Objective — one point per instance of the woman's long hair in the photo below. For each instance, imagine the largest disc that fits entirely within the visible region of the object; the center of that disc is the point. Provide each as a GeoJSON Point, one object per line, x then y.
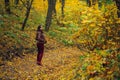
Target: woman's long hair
{"type": "Point", "coordinates": [38, 29]}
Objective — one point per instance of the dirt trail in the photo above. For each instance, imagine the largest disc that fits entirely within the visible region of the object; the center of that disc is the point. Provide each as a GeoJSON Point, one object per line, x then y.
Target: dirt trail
{"type": "Point", "coordinates": [59, 63]}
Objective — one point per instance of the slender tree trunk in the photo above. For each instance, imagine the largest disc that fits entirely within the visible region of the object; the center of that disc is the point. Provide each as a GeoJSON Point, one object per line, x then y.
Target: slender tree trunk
{"type": "Point", "coordinates": [51, 10]}
{"type": "Point", "coordinates": [54, 9]}
{"type": "Point", "coordinates": [62, 8]}
{"type": "Point", "coordinates": [118, 6]}
{"type": "Point", "coordinates": [62, 13]}
{"type": "Point", "coordinates": [7, 6]}
{"type": "Point", "coordinates": [25, 20]}
{"type": "Point", "coordinates": [27, 14]}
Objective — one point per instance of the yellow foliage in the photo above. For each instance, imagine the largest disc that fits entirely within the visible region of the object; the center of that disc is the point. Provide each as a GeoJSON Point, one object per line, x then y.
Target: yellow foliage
{"type": "Point", "coordinates": [91, 79]}
{"type": "Point", "coordinates": [109, 72]}
{"type": "Point", "coordinates": [40, 5]}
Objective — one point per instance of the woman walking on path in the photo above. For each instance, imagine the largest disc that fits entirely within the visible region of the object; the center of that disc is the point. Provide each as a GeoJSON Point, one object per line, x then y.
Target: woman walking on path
{"type": "Point", "coordinates": [40, 44]}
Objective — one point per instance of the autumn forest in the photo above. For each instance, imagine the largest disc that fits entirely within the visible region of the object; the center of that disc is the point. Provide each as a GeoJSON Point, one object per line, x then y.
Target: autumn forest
{"type": "Point", "coordinates": [83, 39]}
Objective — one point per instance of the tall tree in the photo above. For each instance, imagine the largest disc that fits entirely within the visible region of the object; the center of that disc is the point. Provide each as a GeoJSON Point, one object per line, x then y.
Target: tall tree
{"type": "Point", "coordinates": [62, 8]}
{"type": "Point", "coordinates": [50, 12]}
{"type": "Point", "coordinates": [54, 9]}
{"type": "Point", "coordinates": [118, 6]}
{"type": "Point", "coordinates": [7, 6]}
{"type": "Point", "coordinates": [28, 8]}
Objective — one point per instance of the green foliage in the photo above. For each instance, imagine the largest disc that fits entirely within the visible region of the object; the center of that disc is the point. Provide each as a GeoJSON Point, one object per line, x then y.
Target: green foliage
{"type": "Point", "coordinates": [62, 29]}
{"type": "Point", "coordinates": [82, 57]}
{"type": "Point", "coordinates": [1, 24]}
{"type": "Point", "coordinates": [62, 35]}
{"type": "Point", "coordinates": [84, 67]}
{"type": "Point", "coordinates": [105, 1]}
{"type": "Point", "coordinates": [16, 26]}
{"type": "Point", "coordinates": [25, 35]}
{"type": "Point", "coordinates": [118, 57]}
{"type": "Point", "coordinates": [67, 42]}
{"type": "Point", "coordinates": [52, 34]}
{"type": "Point", "coordinates": [10, 34]}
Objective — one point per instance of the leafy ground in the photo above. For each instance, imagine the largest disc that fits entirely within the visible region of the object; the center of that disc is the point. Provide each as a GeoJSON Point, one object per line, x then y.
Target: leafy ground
{"type": "Point", "coordinates": [59, 63]}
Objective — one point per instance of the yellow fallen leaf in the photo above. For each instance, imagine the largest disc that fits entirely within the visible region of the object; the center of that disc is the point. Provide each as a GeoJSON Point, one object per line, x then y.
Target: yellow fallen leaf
{"type": "Point", "coordinates": [91, 79]}
{"type": "Point", "coordinates": [109, 72]}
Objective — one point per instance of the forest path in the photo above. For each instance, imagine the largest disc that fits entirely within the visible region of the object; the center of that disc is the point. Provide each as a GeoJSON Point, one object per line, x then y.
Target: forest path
{"type": "Point", "coordinates": [59, 63]}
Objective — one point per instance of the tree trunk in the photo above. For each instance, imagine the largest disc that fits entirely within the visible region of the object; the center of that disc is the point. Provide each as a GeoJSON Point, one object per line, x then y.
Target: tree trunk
{"type": "Point", "coordinates": [51, 10]}
{"type": "Point", "coordinates": [7, 6]}
{"type": "Point", "coordinates": [62, 8]}
{"type": "Point", "coordinates": [118, 6]}
{"type": "Point", "coordinates": [54, 9]}
{"type": "Point", "coordinates": [27, 14]}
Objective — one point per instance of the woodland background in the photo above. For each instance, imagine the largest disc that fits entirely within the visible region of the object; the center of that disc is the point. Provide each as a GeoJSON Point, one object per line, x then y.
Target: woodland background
{"type": "Point", "coordinates": [83, 35]}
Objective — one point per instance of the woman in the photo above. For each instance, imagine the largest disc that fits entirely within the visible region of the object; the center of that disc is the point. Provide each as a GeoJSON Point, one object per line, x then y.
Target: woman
{"type": "Point", "coordinates": [40, 44]}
